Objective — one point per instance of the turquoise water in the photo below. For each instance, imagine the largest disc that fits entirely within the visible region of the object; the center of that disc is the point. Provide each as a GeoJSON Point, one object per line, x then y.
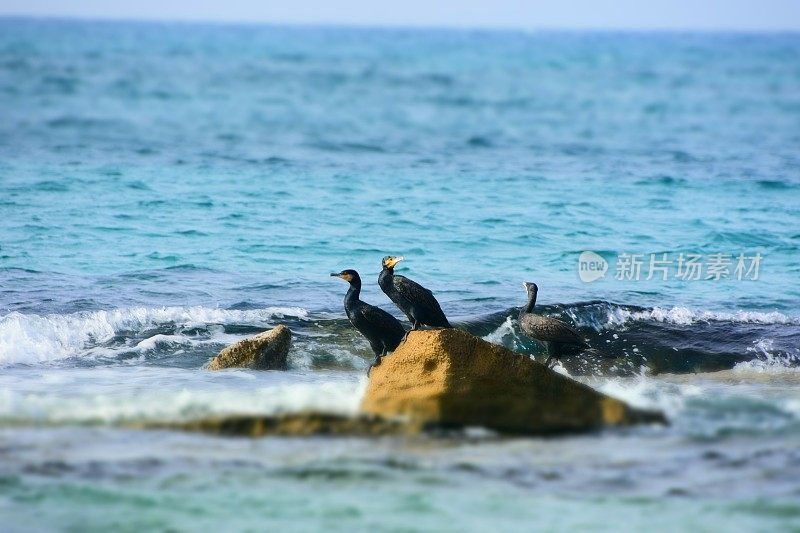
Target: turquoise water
{"type": "Point", "coordinates": [166, 189]}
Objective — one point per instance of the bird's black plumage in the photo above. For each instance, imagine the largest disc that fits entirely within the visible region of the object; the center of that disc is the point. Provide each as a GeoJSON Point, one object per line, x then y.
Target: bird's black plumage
{"type": "Point", "coordinates": [559, 338]}
{"type": "Point", "coordinates": [417, 302]}
{"type": "Point", "coordinates": [383, 331]}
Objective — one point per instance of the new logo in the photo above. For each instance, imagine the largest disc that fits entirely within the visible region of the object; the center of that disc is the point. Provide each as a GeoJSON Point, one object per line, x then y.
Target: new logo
{"type": "Point", "coordinates": [591, 267]}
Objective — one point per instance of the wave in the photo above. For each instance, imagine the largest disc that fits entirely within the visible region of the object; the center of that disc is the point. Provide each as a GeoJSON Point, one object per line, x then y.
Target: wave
{"type": "Point", "coordinates": [630, 339]}
{"type": "Point", "coordinates": [627, 340]}
{"type": "Point", "coordinates": [31, 338]}
{"type": "Point", "coordinates": [769, 358]}
{"type": "Point", "coordinates": [605, 315]}
{"type": "Point", "coordinates": [123, 395]}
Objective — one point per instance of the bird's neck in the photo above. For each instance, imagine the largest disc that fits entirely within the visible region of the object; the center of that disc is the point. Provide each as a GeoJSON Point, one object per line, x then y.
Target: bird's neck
{"type": "Point", "coordinates": [352, 296]}
{"type": "Point", "coordinates": [385, 273]}
{"type": "Point", "coordinates": [531, 303]}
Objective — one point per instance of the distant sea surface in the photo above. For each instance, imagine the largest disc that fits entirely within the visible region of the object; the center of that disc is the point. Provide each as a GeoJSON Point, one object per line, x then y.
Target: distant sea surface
{"type": "Point", "coordinates": [166, 189]}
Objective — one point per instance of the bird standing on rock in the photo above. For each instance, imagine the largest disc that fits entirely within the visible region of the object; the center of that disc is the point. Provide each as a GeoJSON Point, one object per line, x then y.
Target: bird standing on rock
{"type": "Point", "coordinates": [559, 338]}
{"type": "Point", "coordinates": [383, 331]}
{"type": "Point", "coordinates": [417, 302]}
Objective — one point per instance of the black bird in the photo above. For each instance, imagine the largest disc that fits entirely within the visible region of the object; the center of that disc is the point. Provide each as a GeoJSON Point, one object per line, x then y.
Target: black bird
{"type": "Point", "coordinates": [559, 338]}
{"type": "Point", "coordinates": [417, 302]}
{"type": "Point", "coordinates": [383, 331]}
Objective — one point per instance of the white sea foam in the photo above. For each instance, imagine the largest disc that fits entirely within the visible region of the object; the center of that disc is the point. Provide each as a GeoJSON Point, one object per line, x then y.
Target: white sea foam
{"type": "Point", "coordinates": [646, 392]}
{"type": "Point", "coordinates": [616, 316]}
{"type": "Point", "coordinates": [39, 338]}
{"type": "Point", "coordinates": [304, 359]}
{"type": "Point", "coordinates": [767, 359]}
{"type": "Point", "coordinates": [504, 331]}
{"type": "Point", "coordinates": [126, 394]}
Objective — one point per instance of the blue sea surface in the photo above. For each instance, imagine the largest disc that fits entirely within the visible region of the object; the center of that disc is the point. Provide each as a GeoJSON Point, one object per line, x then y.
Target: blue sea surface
{"type": "Point", "coordinates": [166, 189]}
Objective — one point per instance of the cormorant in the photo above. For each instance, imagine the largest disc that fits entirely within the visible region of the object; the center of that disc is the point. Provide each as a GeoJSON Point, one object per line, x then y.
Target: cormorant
{"type": "Point", "coordinates": [417, 302]}
{"type": "Point", "coordinates": [559, 338]}
{"type": "Point", "coordinates": [383, 331]}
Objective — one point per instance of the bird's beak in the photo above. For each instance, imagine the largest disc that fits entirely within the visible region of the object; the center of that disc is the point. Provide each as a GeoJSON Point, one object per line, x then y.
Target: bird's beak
{"type": "Point", "coordinates": [336, 275]}
{"type": "Point", "coordinates": [393, 261]}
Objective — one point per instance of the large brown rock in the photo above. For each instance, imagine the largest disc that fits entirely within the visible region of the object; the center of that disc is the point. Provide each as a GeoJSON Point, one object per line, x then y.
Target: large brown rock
{"type": "Point", "coordinates": [265, 351]}
{"type": "Point", "coordinates": [451, 378]}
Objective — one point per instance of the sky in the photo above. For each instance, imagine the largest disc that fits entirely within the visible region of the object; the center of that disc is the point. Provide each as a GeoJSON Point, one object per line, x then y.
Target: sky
{"type": "Point", "coordinates": [532, 14]}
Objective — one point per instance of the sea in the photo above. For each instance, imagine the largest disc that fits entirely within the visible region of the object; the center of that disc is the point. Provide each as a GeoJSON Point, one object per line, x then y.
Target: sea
{"type": "Point", "coordinates": [167, 189]}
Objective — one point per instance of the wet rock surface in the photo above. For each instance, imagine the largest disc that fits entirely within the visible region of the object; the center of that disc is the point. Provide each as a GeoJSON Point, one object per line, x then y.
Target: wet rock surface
{"type": "Point", "coordinates": [265, 351]}
{"type": "Point", "coordinates": [451, 378]}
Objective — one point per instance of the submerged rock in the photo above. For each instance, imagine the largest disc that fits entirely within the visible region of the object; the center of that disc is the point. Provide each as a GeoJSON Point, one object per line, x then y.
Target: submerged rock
{"type": "Point", "coordinates": [450, 378]}
{"type": "Point", "coordinates": [265, 351]}
{"type": "Point", "coordinates": [293, 425]}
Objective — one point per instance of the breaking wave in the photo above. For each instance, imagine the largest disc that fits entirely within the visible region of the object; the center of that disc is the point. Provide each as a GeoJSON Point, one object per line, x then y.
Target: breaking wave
{"type": "Point", "coordinates": [30, 338]}
{"type": "Point", "coordinates": [605, 315]}
{"type": "Point", "coordinates": [657, 340]}
{"type": "Point", "coordinates": [627, 339]}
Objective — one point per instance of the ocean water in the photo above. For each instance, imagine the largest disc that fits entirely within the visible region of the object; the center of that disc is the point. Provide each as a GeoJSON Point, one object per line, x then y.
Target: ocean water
{"type": "Point", "coordinates": [166, 189]}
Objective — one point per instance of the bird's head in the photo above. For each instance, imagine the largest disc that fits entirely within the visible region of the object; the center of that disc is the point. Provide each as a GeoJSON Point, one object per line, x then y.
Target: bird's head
{"type": "Point", "coordinates": [390, 261]}
{"type": "Point", "coordinates": [349, 275]}
{"type": "Point", "coordinates": [530, 288]}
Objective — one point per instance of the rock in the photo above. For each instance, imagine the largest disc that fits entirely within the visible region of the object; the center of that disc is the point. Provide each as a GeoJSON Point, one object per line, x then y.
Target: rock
{"type": "Point", "coordinates": [450, 378]}
{"type": "Point", "coordinates": [292, 425]}
{"type": "Point", "coordinates": [265, 351]}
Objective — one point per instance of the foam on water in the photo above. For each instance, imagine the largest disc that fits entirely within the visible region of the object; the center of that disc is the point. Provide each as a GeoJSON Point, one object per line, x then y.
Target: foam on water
{"type": "Point", "coordinates": [127, 394]}
{"type": "Point", "coordinates": [647, 392]}
{"type": "Point", "coordinates": [685, 316]}
{"type": "Point", "coordinates": [34, 338]}
{"type": "Point", "coordinates": [504, 334]}
{"type": "Point", "coordinates": [614, 315]}
{"type": "Point", "coordinates": [767, 359]}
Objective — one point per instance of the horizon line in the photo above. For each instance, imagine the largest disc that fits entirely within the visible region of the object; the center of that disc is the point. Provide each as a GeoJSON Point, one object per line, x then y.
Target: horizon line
{"type": "Point", "coordinates": [398, 26]}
